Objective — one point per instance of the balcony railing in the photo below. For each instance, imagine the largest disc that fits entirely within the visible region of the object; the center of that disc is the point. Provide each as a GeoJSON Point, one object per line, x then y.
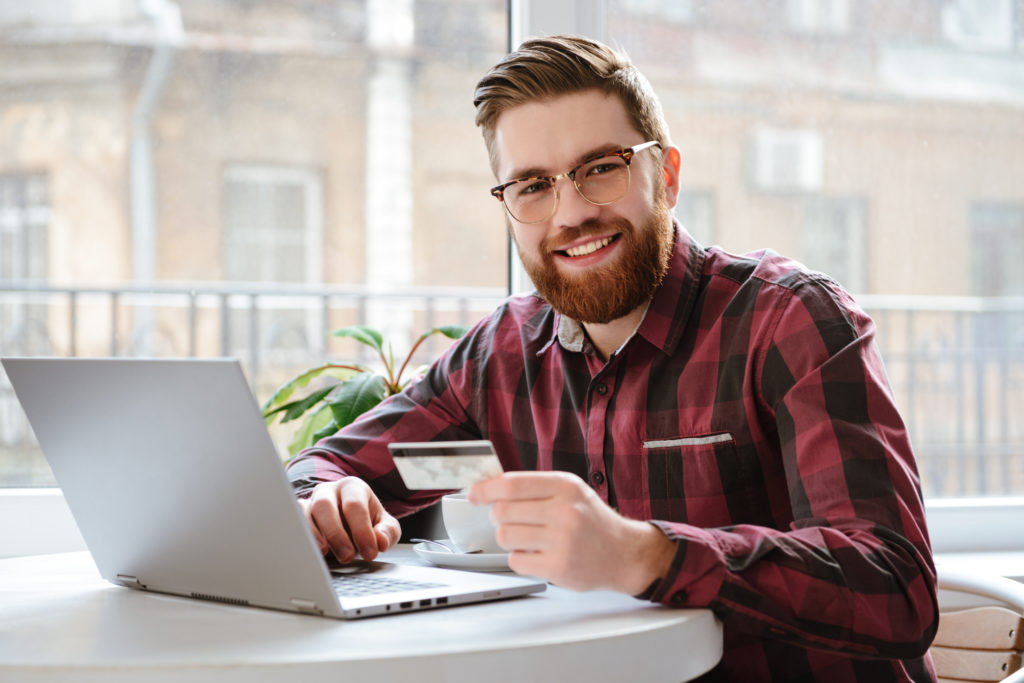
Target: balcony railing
{"type": "Point", "coordinates": [956, 365]}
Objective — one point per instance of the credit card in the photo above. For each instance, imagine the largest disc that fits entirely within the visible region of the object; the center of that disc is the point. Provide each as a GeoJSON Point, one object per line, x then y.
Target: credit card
{"type": "Point", "coordinates": [444, 464]}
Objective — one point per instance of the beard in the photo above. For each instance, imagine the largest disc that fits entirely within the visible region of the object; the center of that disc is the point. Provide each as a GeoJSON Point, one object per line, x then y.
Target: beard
{"type": "Point", "coordinates": [610, 291]}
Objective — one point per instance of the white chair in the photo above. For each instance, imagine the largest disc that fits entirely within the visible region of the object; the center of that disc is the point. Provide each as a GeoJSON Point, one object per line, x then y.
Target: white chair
{"type": "Point", "coordinates": [983, 643]}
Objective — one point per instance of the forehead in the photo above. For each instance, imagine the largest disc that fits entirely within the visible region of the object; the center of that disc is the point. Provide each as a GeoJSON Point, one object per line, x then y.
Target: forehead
{"type": "Point", "coordinates": [551, 135]}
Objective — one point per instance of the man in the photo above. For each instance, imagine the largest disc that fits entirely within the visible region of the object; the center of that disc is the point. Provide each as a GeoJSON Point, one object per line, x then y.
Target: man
{"type": "Point", "coordinates": [677, 423]}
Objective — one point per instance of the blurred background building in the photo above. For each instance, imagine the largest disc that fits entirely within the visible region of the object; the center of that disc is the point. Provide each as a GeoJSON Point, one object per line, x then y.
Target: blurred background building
{"type": "Point", "coordinates": [242, 177]}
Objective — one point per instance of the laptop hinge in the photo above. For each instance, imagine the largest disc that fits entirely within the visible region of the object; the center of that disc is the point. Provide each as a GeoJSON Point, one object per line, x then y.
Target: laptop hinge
{"type": "Point", "coordinates": [305, 606]}
{"type": "Point", "coordinates": [130, 581]}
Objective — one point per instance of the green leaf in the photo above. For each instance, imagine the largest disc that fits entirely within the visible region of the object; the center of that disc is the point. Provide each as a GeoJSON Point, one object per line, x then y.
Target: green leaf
{"type": "Point", "coordinates": [329, 430]}
{"type": "Point", "coordinates": [288, 388]}
{"type": "Point", "coordinates": [306, 435]}
{"type": "Point", "coordinates": [295, 409]}
{"type": "Point", "coordinates": [364, 334]}
{"type": "Point", "coordinates": [451, 331]}
{"type": "Point", "coordinates": [356, 396]}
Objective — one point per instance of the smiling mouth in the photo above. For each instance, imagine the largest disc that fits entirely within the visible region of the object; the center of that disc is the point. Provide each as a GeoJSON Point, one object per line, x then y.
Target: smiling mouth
{"type": "Point", "coordinates": [588, 248]}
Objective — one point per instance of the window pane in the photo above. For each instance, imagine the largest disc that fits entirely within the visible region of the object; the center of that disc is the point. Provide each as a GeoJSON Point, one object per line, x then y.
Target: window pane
{"type": "Point", "coordinates": [242, 183]}
{"type": "Point", "coordinates": [881, 143]}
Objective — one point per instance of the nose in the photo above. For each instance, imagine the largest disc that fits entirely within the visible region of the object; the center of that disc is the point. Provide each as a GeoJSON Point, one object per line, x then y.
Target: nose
{"type": "Point", "coordinates": [572, 209]}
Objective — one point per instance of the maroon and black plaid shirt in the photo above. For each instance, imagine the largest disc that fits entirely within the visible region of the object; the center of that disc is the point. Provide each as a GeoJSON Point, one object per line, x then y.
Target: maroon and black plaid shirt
{"type": "Point", "coordinates": [749, 417]}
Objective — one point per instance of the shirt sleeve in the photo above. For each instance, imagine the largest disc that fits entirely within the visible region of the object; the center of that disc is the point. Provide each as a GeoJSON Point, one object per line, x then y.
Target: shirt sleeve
{"type": "Point", "coordinates": [853, 572]}
{"type": "Point", "coordinates": [431, 409]}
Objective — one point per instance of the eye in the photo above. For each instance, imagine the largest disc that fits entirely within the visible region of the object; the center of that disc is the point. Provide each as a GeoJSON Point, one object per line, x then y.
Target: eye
{"type": "Point", "coordinates": [534, 186]}
{"type": "Point", "coordinates": [602, 166]}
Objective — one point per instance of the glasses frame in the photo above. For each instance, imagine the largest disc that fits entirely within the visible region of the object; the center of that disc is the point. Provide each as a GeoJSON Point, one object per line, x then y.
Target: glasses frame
{"type": "Point", "coordinates": [626, 153]}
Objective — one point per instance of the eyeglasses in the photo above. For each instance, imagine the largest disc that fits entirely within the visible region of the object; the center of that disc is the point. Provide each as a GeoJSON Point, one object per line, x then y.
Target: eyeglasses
{"type": "Point", "coordinates": [602, 179]}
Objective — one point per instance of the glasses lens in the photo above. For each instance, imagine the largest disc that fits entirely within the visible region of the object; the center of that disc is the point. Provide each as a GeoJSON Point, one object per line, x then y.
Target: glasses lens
{"type": "Point", "coordinates": [531, 200]}
{"type": "Point", "coordinates": [603, 180]}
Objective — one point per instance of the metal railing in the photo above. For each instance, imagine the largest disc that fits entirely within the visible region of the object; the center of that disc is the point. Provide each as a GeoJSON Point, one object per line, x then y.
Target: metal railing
{"type": "Point", "coordinates": [956, 365]}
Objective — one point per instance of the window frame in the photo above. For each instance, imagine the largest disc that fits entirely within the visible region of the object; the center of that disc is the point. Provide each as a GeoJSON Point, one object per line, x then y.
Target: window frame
{"type": "Point", "coordinates": [954, 523]}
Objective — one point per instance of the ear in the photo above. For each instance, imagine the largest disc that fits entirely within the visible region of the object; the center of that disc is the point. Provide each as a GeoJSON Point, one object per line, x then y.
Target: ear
{"type": "Point", "coordinates": [670, 164]}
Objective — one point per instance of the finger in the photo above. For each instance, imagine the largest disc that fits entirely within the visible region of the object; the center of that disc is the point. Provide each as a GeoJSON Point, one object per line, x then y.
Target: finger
{"type": "Point", "coordinates": [388, 531]}
{"type": "Point", "coordinates": [529, 564]}
{"type": "Point", "coordinates": [317, 536]}
{"type": "Point", "coordinates": [524, 538]}
{"type": "Point", "coordinates": [530, 511]}
{"type": "Point", "coordinates": [327, 518]}
{"type": "Point", "coordinates": [356, 511]}
{"type": "Point", "coordinates": [521, 485]}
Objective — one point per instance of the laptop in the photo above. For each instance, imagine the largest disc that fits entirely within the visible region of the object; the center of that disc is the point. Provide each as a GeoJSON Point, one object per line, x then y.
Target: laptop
{"type": "Point", "coordinates": [177, 488]}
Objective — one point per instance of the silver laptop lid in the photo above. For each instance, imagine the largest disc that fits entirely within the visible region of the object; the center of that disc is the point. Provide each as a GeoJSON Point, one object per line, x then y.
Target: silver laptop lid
{"type": "Point", "coordinates": [172, 478]}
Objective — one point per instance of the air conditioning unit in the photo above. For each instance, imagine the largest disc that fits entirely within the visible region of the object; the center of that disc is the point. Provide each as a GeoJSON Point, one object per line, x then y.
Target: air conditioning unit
{"type": "Point", "coordinates": [787, 160]}
{"type": "Point", "coordinates": [818, 16]}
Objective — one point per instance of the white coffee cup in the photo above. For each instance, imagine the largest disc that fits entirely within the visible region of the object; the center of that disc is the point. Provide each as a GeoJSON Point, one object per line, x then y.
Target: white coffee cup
{"type": "Point", "coordinates": [469, 526]}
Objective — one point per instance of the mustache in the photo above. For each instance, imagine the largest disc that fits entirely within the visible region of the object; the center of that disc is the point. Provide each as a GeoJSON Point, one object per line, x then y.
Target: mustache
{"type": "Point", "coordinates": [587, 228]}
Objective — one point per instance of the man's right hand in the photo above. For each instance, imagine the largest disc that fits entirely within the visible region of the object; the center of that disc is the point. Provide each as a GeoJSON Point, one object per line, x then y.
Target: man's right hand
{"type": "Point", "coordinates": [346, 517]}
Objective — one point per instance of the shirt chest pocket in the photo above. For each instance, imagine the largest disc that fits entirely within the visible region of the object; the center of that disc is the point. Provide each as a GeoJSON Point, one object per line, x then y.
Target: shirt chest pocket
{"type": "Point", "coordinates": [700, 480]}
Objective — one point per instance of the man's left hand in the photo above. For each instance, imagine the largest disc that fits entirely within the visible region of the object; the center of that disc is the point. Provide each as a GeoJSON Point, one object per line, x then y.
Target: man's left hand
{"type": "Point", "coordinates": [556, 527]}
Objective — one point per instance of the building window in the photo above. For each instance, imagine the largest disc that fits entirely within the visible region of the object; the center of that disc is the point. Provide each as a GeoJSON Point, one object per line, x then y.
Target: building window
{"type": "Point", "coordinates": [273, 224]}
{"type": "Point", "coordinates": [24, 257]}
{"type": "Point", "coordinates": [787, 160]}
{"type": "Point", "coordinates": [273, 232]}
{"type": "Point", "coordinates": [24, 215]}
{"type": "Point", "coordinates": [979, 24]}
{"type": "Point", "coordinates": [833, 239]}
{"type": "Point", "coordinates": [818, 16]}
{"type": "Point", "coordinates": [675, 11]}
{"type": "Point", "coordinates": [997, 249]}
{"type": "Point", "coordinates": [695, 209]}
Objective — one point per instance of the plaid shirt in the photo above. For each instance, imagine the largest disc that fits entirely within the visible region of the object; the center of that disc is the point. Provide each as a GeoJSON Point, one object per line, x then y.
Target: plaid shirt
{"type": "Point", "coordinates": [749, 417]}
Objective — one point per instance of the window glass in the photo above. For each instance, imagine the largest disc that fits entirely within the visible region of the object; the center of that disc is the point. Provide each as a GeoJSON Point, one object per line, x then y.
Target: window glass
{"type": "Point", "coordinates": [241, 178]}
{"type": "Point", "coordinates": [881, 143]}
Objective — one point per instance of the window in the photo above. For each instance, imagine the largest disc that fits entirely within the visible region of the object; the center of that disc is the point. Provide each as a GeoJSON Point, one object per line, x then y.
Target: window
{"type": "Point", "coordinates": [695, 209]}
{"type": "Point", "coordinates": [273, 225]}
{"type": "Point", "coordinates": [913, 117]}
{"type": "Point", "coordinates": [676, 11]}
{"type": "Point", "coordinates": [24, 258]}
{"type": "Point", "coordinates": [997, 249]}
{"type": "Point", "coordinates": [24, 216]}
{"type": "Point", "coordinates": [980, 24]}
{"type": "Point", "coordinates": [786, 160]}
{"type": "Point", "coordinates": [273, 232]}
{"type": "Point", "coordinates": [833, 240]}
{"type": "Point", "coordinates": [818, 16]}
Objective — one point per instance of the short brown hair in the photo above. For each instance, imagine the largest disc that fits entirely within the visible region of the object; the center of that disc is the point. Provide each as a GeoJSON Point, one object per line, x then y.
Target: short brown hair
{"type": "Point", "coordinates": [544, 68]}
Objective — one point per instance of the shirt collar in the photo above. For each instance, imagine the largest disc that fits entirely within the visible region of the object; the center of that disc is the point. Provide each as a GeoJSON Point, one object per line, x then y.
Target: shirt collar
{"type": "Point", "coordinates": [669, 309]}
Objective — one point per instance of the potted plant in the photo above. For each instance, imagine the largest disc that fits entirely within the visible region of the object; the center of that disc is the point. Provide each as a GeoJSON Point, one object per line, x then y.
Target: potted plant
{"type": "Point", "coordinates": [351, 389]}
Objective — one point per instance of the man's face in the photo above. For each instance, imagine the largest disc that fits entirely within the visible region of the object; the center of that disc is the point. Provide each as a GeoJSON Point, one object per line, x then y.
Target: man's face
{"type": "Point", "coordinates": [621, 249]}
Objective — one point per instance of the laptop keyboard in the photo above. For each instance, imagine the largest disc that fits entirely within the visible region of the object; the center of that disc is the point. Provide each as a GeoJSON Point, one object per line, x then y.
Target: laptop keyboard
{"type": "Point", "coordinates": [355, 585]}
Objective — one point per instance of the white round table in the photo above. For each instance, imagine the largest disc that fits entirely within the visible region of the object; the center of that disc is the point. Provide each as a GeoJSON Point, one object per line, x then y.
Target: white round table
{"type": "Point", "coordinates": [59, 621]}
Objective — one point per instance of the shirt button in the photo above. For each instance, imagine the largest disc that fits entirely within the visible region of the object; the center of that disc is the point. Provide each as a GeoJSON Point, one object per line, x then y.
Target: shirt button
{"type": "Point", "coordinates": [601, 389]}
{"type": "Point", "coordinates": [679, 597]}
{"type": "Point", "coordinates": [597, 478]}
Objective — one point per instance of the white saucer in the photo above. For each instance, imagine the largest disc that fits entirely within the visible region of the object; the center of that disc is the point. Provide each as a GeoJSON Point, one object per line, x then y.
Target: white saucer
{"type": "Point", "coordinates": [486, 562]}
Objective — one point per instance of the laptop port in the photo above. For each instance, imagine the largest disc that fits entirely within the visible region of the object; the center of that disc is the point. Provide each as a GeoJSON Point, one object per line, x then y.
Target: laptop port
{"type": "Point", "coordinates": [442, 601]}
{"type": "Point", "coordinates": [405, 605]}
{"type": "Point", "coordinates": [425, 603]}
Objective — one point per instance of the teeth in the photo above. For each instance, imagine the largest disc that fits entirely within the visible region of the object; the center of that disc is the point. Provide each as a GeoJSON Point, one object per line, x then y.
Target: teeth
{"type": "Point", "coordinates": [589, 248]}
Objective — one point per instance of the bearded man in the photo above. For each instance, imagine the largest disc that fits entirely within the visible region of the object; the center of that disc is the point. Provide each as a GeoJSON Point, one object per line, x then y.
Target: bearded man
{"type": "Point", "coordinates": [677, 423]}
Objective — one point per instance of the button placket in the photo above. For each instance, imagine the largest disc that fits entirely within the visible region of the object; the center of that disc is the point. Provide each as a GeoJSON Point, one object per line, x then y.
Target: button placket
{"type": "Point", "coordinates": [597, 419]}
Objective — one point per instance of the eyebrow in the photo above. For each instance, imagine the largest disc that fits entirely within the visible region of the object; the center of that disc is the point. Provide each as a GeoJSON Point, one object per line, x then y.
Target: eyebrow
{"type": "Point", "coordinates": [536, 171]}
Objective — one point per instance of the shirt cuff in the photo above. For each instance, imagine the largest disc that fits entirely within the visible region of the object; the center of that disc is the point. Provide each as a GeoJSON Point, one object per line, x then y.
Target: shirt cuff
{"type": "Point", "coordinates": [694, 577]}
